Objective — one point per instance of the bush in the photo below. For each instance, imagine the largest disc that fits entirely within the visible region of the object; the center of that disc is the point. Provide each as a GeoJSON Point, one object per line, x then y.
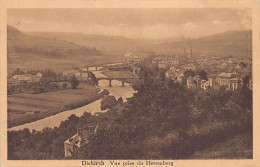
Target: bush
{"type": "Point", "coordinates": [120, 100]}
{"type": "Point", "coordinates": [74, 82]}
{"type": "Point", "coordinates": [108, 102]}
{"type": "Point", "coordinates": [105, 92]}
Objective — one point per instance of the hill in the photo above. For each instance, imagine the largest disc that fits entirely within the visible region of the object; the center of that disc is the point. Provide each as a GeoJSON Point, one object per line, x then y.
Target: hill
{"type": "Point", "coordinates": [235, 43]}
{"type": "Point", "coordinates": [59, 50]}
{"type": "Point", "coordinates": [33, 52]}
{"type": "Point", "coordinates": [105, 43]}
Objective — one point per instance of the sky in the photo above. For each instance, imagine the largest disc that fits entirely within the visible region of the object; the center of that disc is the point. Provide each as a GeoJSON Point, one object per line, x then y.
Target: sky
{"type": "Point", "coordinates": [132, 23]}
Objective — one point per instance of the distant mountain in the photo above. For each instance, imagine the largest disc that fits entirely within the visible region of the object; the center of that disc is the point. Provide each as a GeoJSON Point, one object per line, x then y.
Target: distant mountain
{"type": "Point", "coordinates": [106, 43]}
{"type": "Point", "coordinates": [63, 50]}
{"type": "Point", "coordinates": [235, 43]}
{"type": "Point", "coordinates": [30, 52]}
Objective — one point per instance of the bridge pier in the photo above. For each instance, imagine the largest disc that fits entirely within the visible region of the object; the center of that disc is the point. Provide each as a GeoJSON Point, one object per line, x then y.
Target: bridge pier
{"type": "Point", "coordinates": [96, 68]}
{"type": "Point", "coordinates": [123, 80]}
{"type": "Point", "coordinates": [110, 83]}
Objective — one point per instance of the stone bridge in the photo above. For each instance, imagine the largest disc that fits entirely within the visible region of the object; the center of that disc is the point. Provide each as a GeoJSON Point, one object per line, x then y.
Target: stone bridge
{"type": "Point", "coordinates": [123, 80]}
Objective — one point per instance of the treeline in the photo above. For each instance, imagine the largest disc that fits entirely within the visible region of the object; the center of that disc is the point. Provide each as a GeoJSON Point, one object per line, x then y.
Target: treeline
{"type": "Point", "coordinates": [56, 52]}
{"type": "Point", "coordinates": [36, 87]}
{"type": "Point", "coordinates": [47, 74]}
{"type": "Point", "coordinates": [50, 81]}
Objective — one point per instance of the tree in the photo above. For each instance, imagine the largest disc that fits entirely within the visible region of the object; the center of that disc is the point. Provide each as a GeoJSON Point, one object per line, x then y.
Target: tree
{"type": "Point", "coordinates": [108, 102]}
{"type": "Point", "coordinates": [74, 82]}
{"type": "Point", "coordinates": [18, 71]}
{"type": "Point", "coordinates": [203, 75]}
{"type": "Point", "coordinates": [92, 77]}
{"type": "Point", "coordinates": [120, 100]}
{"type": "Point", "coordinates": [188, 73]}
{"type": "Point", "coordinates": [64, 85]}
{"type": "Point", "coordinates": [58, 147]}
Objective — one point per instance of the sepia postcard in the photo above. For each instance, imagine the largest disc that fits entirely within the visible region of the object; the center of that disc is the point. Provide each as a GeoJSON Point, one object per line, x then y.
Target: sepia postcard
{"type": "Point", "coordinates": [130, 83]}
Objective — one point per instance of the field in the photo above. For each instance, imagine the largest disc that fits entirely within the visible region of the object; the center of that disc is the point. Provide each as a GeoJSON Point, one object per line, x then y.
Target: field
{"type": "Point", "coordinates": [119, 74]}
{"type": "Point", "coordinates": [36, 62]}
{"type": "Point", "coordinates": [24, 108]}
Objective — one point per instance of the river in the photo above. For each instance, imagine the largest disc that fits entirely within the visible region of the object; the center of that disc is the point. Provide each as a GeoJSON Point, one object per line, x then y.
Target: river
{"type": "Point", "coordinates": [54, 121]}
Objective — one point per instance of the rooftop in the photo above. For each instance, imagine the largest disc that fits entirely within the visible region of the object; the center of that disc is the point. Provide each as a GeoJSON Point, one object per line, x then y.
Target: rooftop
{"type": "Point", "coordinates": [224, 74]}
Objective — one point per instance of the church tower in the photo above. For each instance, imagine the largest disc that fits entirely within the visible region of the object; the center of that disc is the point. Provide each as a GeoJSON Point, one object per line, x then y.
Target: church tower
{"type": "Point", "coordinates": [190, 55]}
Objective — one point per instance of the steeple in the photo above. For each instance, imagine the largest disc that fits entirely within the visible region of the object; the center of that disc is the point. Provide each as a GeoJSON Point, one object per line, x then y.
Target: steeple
{"type": "Point", "coordinates": [190, 55]}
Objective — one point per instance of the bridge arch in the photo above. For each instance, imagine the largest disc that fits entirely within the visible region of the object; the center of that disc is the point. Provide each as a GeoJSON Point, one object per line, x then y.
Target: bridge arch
{"type": "Point", "coordinates": [123, 80]}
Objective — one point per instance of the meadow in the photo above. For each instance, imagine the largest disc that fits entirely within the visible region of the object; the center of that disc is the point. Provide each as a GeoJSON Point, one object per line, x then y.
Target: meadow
{"type": "Point", "coordinates": [25, 107]}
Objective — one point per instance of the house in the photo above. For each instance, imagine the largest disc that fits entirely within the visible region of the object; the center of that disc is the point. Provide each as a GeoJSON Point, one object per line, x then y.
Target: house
{"type": "Point", "coordinates": [189, 67]}
{"type": "Point", "coordinates": [206, 84]}
{"type": "Point", "coordinates": [24, 77]}
{"type": "Point", "coordinates": [136, 70]}
{"type": "Point", "coordinates": [81, 75]}
{"type": "Point", "coordinates": [28, 78]}
{"type": "Point", "coordinates": [71, 73]}
{"type": "Point", "coordinates": [200, 60]}
{"type": "Point", "coordinates": [80, 139]}
{"type": "Point", "coordinates": [231, 81]}
{"type": "Point", "coordinates": [39, 75]}
{"type": "Point", "coordinates": [233, 60]}
{"type": "Point", "coordinates": [197, 79]}
{"type": "Point", "coordinates": [236, 83]}
{"type": "Point", "coordinates": [164, 61]}
{"type": "Point", "coordinates": [171, 74]}
{"type": "Point", "coordinates": [190, 82]}
{"type": "Point", "coordinates": [222, 65]}
{"type": "Point", "coordinates": [238, 67]}
{"type": "Point", "coordinates": [179, 77]}
{"type": "Point", "coordinates": [223, 79]}
{"type": "Point", "coordinates": [215, 58]}
{"type": "Point", "coordinates": [162, 64]}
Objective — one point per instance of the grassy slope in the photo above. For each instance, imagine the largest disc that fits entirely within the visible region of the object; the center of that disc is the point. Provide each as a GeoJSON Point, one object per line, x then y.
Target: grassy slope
{"type": "Point", "coordinates": [236, 43]}
{"type": "Point", "coordinates": [237, 147]}
{"type": "Point", "coordinates": [21, 107]}
{"type": "Point", "coordinates": [105, 43]}
{"type": "Point", "coordinates": [31, 52]}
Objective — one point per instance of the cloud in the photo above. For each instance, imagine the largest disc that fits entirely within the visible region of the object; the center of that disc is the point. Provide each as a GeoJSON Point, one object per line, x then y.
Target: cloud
{"type": "Point", "coordinates": [133, 23]}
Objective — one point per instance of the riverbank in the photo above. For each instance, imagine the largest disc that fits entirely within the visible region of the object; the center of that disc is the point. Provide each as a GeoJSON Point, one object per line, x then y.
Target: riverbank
{"type": "Point", "coordinates": [26, 108]}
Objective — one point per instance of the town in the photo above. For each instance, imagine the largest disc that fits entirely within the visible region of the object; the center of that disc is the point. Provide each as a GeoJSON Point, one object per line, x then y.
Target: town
{"type": "Point", "coordinates": [195, 72]}
{"type": "Point", "coordinates": [205, 72]}
{"type": "Point", "coordinates": [200, 73]}
{"type": "Point", "coordinates": [150, 84]}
